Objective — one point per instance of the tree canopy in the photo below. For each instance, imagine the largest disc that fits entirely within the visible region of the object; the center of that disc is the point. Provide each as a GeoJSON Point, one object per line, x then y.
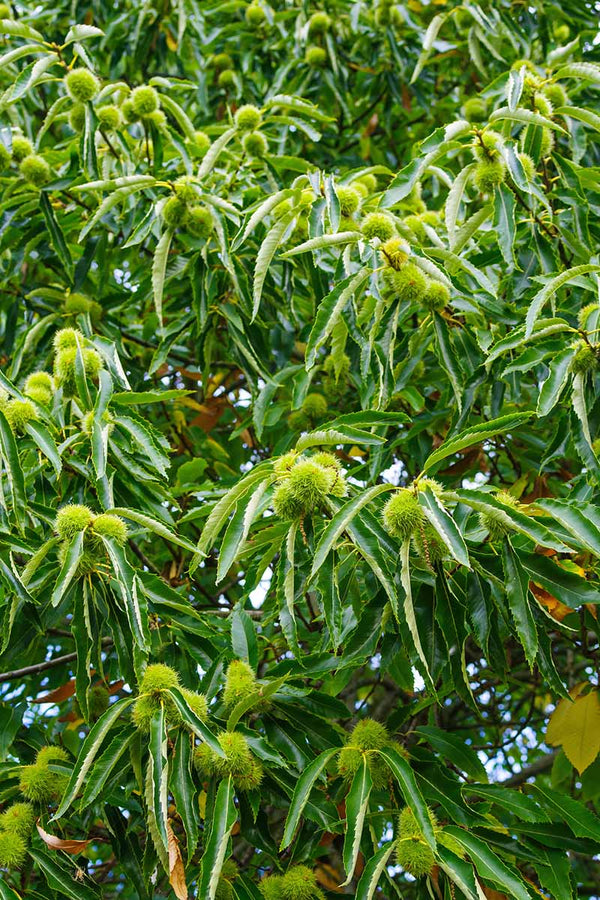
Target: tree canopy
{"type": "Point", "coordinates": [299, 450]}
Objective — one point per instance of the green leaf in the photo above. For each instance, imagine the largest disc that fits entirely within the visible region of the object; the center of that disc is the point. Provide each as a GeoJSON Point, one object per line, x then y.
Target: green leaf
{"type": "Point", "coordinates": [62, 879]}
{"type": "Point", "coordinates": [243, 636]}
{"type": "Point", "coordinates": [302, 791]}
{"type": "Point", "coordinates": [184, 791]}
{"type": "Point", "coordinates": [220, 826]}
{"type": "Point", "coordinates": [56, 236]}
{"type": "Point", "coordinates": [489, 866]}
{"type": "Point", "coordinates": [504, 222]}
{"type": "Point", "coordinates": [574, 591]}
{"type": "Point", "coordinates": [357, 803]}
{"type": "Point", "coordinates": [514, 519]}
{"type": "Point", "coordinates": [193, 722]}
{"type": "Point", "coordinates": [340, 522]}
{"type": "Point", "coordinates": [413, 797]}
{"type": "Point", "coordinates": [548, 291]}
{"type": "Point", "coordinates": [329, 311]}
{"type": "Point", "coordinates": [105, 765]}
{"type": "Point", "coordinates": [453, 748]}
{"type": "Point", "coordinates": [476, 434]}
{"type": "Point", "coordinates": [558, 375]}
{"type": "Point", "coordinates": [43, 439]}
{"type": "Point", "coordinates": [367, 886]}
{"type": "Point", "coordinates": [525, 116]}
{"type": "Point", "coordinates": [159, 271]}
{"type": "Point", "coordinates": [324, 241]}
{"type": "Point", "coordinates": [152, 525]}
{"type": "Point", "coordinates": [89, 751]}
{"type": "Point", "coordinates": [157, 797]}
{"type": "Point", "coordinates": [10, 455]}
{"type": "Point", "coordinates": [581, 520]}
{"type": "Point", "coordinates": [238, 528]}
{"type": "Point", "coordinates": [266, 252]}
{"type": "Point", "coordinates": [69, 569]}
{"type": "Point", "coordinates": [444, 525]}
{"type": "Point", "coordinates": [517, 593]}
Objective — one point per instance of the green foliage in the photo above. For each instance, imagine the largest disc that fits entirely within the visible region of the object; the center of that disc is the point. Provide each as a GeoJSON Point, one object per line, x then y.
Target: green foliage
{"type": "Point", "coordinates": [299, 436]}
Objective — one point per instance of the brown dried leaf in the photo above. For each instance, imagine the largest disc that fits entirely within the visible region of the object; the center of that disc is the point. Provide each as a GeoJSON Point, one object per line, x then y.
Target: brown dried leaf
{"type": "Point", "coordinates": [56, 843]}
{"type": "Point", "coordinates": [176, 867]}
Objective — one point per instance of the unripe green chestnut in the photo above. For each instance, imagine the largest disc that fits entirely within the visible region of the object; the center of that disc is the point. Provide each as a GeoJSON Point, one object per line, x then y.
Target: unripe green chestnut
{"type": "Point", "coordinates": [40, 785]}
{"type": "Point", "coordinates": [157, 678]}
{"type": "Point", "coordinates": [175, 213]}
{"type": "Point", "coordinates": [5, 158]}
{"type": "Point", "coordinates": [67, 338]}
{"type": "Point", "coordinates": [349, 199]}
{"type": "Point", "coordinates": [109, 117]}
{"type": "Point", "coordinates": [222, 61]}
{"type": "Point", "coordinates": [50, 754]}
{"type": "Point", "coordinates": [75, 304]}
{"type": "Point", "coordinates": [98, 699]}
{"type": "Point", "coordinates": [303, 491]}
{"type": "Point", "coordinates": [585, 313]}
{"type": "Point", "coordinates": [35, 170]}
{"type": "Point", "coordinates": [547, 142]}
{"type": "Point", "coordinates": [300, 883]}
{"type": "Point", "coordinates": [378, 225]}
{"type": "Point", "coordinates": [21, 147]}
{"type": "Point", "coordinates": [284, 464]}
{"type": "Point", "coordinates": [201, 144]}
{"type": "Point", "coordinates": [542, 104]}
{"type": "Point", "coordinates": [82, 85]}
{"type": "Point", "coordinates": [255, 15]}
{"type": "Point", "coordinates": [18, 819]}
{"type": "Point", "coordinates": [413, 853]}
{"type": "Point", "coordinates": [20, 413]}
{"type": "Point", "coordinates": [487, 145]}
{"type": "Point", "coordinates": [129, 113]}
{"type": "Point", "coordinates": [489, 174]}
{"type": "Point", "coordinates": [395, 252]}
{"type": "Point", "coordinates": [366, 737]}
{"type": "Point", "coordinates": [528, 165]}
{"type": "Point", "coordinates": [229, 872]}
{"type": "Point", "coordinates": [71, 519]}
{"type": "Point", "coordinates": [39, 386]}
{"type": "Point", "coordinates": [584, 361]}
{"type": "Point", "coordinates": [415, 223]}
{"type": "Point", "coordinates": [255, 144]}
{"type": "Point", "coordinates": [368, 180]}
{"type": "Point", "coordinates": [556, 94]}
{"type": "Point", "coordinates": [240, 683]}
{"type": "Point", "coordinates": [429, 545]}
{"type": "Point", "coordinates": [475, 109]}
{"type": "Point", "coordinates": [314, 406]}
{"type": "Point", "coordinates": [226, 79]}
{"type": "Point", "coordinates": [335, 381]}
{"type": "Point", "coordinates": [65, 363]}
{"type": "Point", "coordinates": [111, 527]}
{"type": "Point", "coordinates": [157, 119]}
{"type": "Point", "coordinates": [402, 514]}
{"type": "Point", "coordinates": [77, 117]}
{"type": "Point", "coordinates": [493, 520]}
{"type": "Point", "coordinates": [247, 118]}
{"type": "Point", "coordinates": [200, 222]}
{"type": "Point", "coordinates": [409, 284]}
{"type": "Point", "coordinates": [5, 11]}
{"type": "Point", "coordinates": [315, 57]}
{"type": "Point", "coordinates": [238, 762]}
{"type": "Point", "coordinates": [319, 23]}
{"type": "Point", "coordinates": [185, 190]}
{"type": "Point", "coordinates": [437, 296]}
{"type": "Point", "coordinates": [144, 100]}
{"type": "Point", "coordinates": [298, 421]}
{"type": "Point", "coordinates": [13, 850]}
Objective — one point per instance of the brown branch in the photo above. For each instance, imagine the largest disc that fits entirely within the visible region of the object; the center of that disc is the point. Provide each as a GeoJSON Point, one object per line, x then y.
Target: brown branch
{"type": "Point", "coordinates": [540, 765]}
{"type": "Point", "coordinates": [41, 667]}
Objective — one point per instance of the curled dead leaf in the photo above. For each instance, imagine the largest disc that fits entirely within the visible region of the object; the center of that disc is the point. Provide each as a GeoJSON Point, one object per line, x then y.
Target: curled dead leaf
{"type": "Point", "coordinates": [56, 843]}
{"type": "Point", "coordinates": [176, 867]}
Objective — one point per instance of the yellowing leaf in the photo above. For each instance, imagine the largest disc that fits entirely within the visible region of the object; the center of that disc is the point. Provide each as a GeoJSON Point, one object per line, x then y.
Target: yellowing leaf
{"type": "Point", "coordinates": [576, 727]}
